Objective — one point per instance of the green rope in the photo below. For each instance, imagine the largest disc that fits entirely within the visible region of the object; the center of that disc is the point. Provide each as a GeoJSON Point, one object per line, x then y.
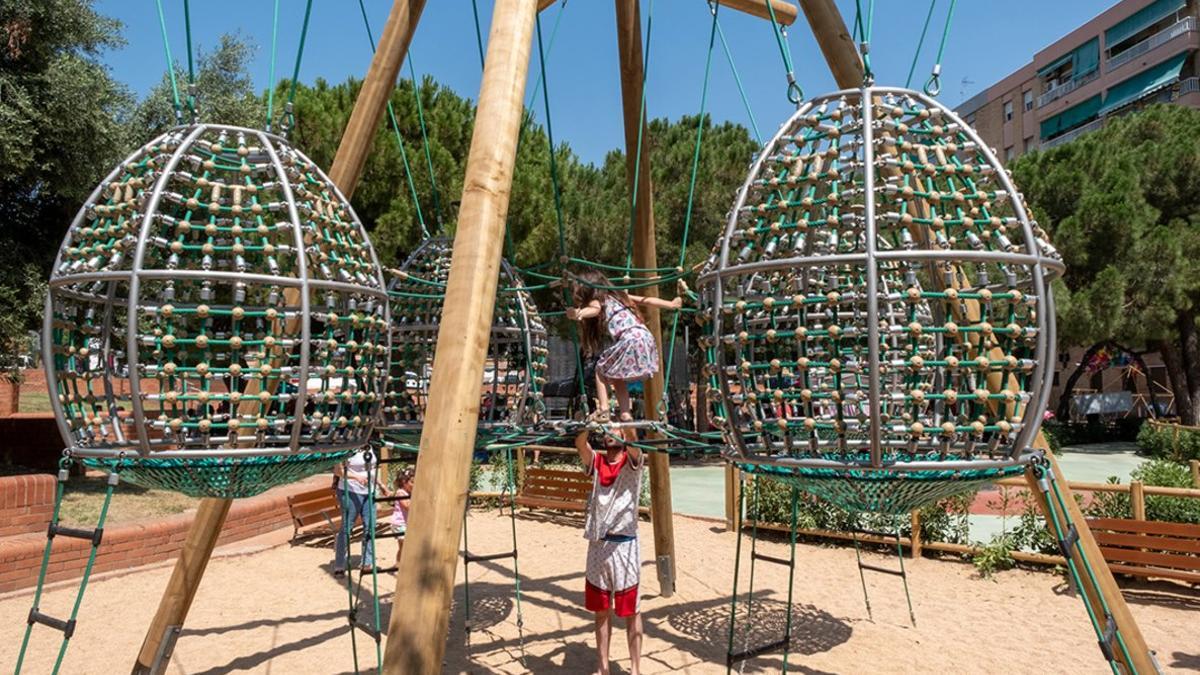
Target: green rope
{"type": "Point", "coordinates": [162, 24]}
{"type": "Point", "coordinates": [920, 43]}
{"type": "Point", "coordinates": [512, 506]}
{"type": "Point", "coordinates": [437, 209]}
{"type": "Point", "coordinates": [691, 200]}
{"type": "Point", "coordinates": [737, 78]}
{"type": "Point", "coordinates": [271, 77]}
{"type": "Point", "coordinates": [412, 187]}
{"type": "Point", "coordinates": [637, 159]}
{"type": "Point", "coordinates": [862, 29]}
{"type": "Point", "coordinates": [558, 210]}
{"type": "Point", "coordinates": [113, 479]}
{"type": "Point", "coordinates": [187, 25]}
{"type": "Point", "coordinates": [739, 519]}
{"type": "Point", "coordinates": [794, 93]}
{"type": "Point", "coordinates": [787, 629]}
{"type": "Point", "coordinates": [296, 69]}
{"type": "Point", "coordinates": [934, 86]}
{"type": "Point", "coordinates": [478, 31]}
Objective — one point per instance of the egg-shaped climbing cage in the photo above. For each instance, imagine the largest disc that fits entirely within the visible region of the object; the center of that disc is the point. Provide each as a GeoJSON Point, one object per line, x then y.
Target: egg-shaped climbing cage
{"type": "Point", "coordinates": [510, 389]}
{"type": "Point", "coordinates": [880, 328]}
{"type": "Point", "coordinates": [217, 318]}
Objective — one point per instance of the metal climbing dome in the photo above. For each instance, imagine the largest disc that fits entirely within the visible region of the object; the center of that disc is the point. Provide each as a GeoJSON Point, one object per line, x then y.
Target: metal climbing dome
{"type": "Point", "coordinates": [217, 319]}
{"type": "Point", "coordinates": [879, 319]}
{"type": "Point", "coordinates": [515, 368]}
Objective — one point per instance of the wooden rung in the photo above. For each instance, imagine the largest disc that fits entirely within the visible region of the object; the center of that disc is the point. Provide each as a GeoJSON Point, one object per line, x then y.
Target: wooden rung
{"type": "Point", "coordinates": [737, 657]}
{"type": "Point", "coordinates": [467, 557]}
{"type": "Point", "coordinates": [772, 559]}
{"type": "Point", "coordinates": [882, 570]}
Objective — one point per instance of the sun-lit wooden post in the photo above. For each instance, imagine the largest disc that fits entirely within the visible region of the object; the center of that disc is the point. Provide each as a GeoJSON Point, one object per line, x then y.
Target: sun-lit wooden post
{"type": "Point", "coordinates": [629, 43]}
{"type": "Point", "coordinates": [373, 97]}
{"type": "Point", "coordinates": [347, 167]}
{"type": "Point", "coordinates": [421, 611]}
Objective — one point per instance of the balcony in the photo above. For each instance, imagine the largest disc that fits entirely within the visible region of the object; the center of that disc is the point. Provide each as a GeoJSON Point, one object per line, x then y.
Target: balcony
{"type": "Point", "coordinates": [1188, 86]}
{"type": "Point", "coordinates": [1181, 27]}
{"type": "Point", "coordinates": [1066, 88]}
{"type": "Point", "coordinates": [1072, 134]}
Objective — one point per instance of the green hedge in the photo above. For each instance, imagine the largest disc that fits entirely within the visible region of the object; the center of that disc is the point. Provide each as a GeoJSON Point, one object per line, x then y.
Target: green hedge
{"type": "Point", "coordinates": [1161, 441]}
{"type": "Point", "coordinates": [1159, 472]}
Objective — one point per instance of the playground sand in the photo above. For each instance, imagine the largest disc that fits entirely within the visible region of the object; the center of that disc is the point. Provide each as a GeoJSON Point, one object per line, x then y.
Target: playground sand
{"type": "Point", "coordinates": [281, 611]}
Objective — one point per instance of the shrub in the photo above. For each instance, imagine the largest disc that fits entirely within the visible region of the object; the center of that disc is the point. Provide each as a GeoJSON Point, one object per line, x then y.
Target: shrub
{"type": "Point", "coordinates": [995, 556]}
{"type": "Point", "coordinates": [1168, 474]}
{"type": "Point", "coordinates": [1162, 442]}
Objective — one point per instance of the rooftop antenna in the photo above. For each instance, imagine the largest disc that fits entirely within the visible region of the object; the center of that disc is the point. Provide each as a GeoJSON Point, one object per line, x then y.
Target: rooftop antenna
{"type": "Point", "coordinates": [962, 89]}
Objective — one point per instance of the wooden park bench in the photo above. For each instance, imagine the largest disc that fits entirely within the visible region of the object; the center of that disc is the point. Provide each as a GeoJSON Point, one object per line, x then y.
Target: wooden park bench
{"type": "Point", "coordinates": [317, 512]}
{"type": "Point", "coordinates": [562, 489]}
{"type": "Point", "coordinates": [1148, 548]}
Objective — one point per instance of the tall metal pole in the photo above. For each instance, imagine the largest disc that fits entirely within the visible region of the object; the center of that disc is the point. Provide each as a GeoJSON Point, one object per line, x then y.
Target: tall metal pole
{"type": "Point", "coordinates": [421, 611]}
{"type": "Point", "coordinates": [629, 43]}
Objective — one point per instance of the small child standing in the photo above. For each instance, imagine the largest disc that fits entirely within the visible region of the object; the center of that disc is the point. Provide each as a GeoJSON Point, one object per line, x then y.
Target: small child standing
{"type": "Point", "coordinates": [631, 355]}
{"type": "Point", "coordinates": [614, 561]}
{"type": "Point", "coordinates": [403, 495]}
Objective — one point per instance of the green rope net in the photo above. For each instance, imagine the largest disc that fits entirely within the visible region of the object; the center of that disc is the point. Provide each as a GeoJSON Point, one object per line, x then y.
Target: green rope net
{"type": "Point", "coordinates": [224, 477]}
{"type": "Point", "coordinates": [882, 491]}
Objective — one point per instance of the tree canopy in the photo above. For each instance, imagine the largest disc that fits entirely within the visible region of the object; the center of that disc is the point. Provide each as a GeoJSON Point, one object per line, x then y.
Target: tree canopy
{"type": "Point", "coordinates": [1122, 204]}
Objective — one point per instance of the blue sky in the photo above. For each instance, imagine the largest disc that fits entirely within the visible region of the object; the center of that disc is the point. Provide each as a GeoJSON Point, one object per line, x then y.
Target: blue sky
{"type": "Point", "coordinates": [988, 40]}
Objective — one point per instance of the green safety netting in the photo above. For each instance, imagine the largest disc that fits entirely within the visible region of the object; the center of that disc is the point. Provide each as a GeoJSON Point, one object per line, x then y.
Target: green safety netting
{"type": "Point", "coordinates": [222, 477]}
{"type": "Point", "coordinates": [862, 488]}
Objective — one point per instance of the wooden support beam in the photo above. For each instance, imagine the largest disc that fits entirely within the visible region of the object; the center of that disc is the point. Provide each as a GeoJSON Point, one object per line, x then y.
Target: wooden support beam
{"type": "Point", "coordinates": [1140, 659]}
{"type": "Point", "coordinates": [345, 173]}
{"type": "Point", "coordinates": [181, 589]}
{"type": "Point", "coordinates": [841, 53]}
{"type": "Point", "coordinates": [421, 611]}
{"type": "Point", "coordinates": [785, 12]}
{"type": "Point", "coordinates": [373, 97]}
{"type": "Point", "coordinates": [629, 44]}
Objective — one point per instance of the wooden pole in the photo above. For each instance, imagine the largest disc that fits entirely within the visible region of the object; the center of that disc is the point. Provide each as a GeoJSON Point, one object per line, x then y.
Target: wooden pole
{"type": "Point", "coordinates": [1195, 464]}
{"type": "Point", "coordinates": [731, 496]}
{"type": "Point", "coordinates": [629, 43]}
{"type": "Point", "coordinates": [915, 540]}
{"type": "Point", "coordinates": [841, 53]}
{"type": "Point", "coordinates": [421, 611]}
{"type": "Point", "coordinates": [374, 95]}
{"type": "Point", "coordinates": [181, 589]}
{"type": "Point", "coordinates": [1105, 586]}
{"type": "Point", "coordinates": [1137, 499]}
{"type": "Point", "coordinates": [347, 168]}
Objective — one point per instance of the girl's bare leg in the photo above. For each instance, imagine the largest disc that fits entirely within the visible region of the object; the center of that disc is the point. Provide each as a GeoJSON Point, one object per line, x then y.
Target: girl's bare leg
{"type": "Point", "coordinates": [399, 550]}
{"type": "Point", "coordinates": [601, 393]}
{"type": "Point", "coordinates": [633, 625]}
{"type": "Point", "coordinates": [603, 634]}
{"type": "Point", "coordinates": [623, 405]}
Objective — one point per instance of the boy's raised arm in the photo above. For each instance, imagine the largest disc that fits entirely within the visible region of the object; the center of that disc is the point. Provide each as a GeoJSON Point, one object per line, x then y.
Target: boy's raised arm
{"type": "Point", "coordinates": [586, 454]}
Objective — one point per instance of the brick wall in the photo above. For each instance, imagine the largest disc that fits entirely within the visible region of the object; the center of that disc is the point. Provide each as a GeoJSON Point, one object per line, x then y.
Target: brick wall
{"type": "Point", "coordinates": [133, 544]}
{"type": "Point", "coordinates": [26, 503]}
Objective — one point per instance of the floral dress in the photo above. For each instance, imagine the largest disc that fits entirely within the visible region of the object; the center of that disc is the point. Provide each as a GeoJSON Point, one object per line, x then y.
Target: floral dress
{"type": "Point", "coordinates": [633, 355]}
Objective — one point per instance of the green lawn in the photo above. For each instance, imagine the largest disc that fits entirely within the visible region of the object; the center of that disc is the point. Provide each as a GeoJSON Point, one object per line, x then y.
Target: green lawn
{"type": "Point", "coordinates": [85, 494]}
{"type": "Point", "coordinates": [35, 399]}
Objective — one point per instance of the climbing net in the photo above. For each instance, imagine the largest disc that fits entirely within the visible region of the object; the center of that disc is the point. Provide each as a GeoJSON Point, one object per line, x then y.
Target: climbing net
{"type": "Point", "coordinates": [217, 315]}
{"type": "Point", "coordinates": [878, 314]}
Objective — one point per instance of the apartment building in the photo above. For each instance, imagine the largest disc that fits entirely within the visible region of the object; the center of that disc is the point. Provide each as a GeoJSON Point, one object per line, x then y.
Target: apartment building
{"type": "Point", "coordinates": [1133, 54]}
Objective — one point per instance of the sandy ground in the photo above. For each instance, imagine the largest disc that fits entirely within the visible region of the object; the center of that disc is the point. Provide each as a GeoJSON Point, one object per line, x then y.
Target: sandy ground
{"type": "Point", "coordinates": [279, 610]}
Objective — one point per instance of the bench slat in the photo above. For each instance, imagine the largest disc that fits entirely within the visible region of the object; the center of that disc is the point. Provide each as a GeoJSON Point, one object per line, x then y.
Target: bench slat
{"type": "Point", "coordinates": [1136, 570]}
{"type": "Point", "coordinates": [1156, 543]}
{"type": "Point", "coordinates": [534, 502]}
{"type": "Point", "coordinates": [582, 488]}
{"type": "Point", "coordinates": [570, 474]}
{"type": "Point", "coordinates": [1151, 558]}
{"type": "Point", "coordinates": [1144, 526]}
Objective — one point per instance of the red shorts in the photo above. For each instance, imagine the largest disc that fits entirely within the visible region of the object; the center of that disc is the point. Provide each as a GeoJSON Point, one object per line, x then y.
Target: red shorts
{"type": "Point", "coordinates": [624, 603]}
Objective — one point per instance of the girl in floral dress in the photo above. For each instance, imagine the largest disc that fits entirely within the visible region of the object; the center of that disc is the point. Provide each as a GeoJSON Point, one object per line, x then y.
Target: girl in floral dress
{"type": "Point", "coordinates": [631, 354]}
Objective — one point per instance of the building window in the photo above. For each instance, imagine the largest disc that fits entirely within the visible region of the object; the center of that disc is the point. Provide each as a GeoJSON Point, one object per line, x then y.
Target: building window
{"type": "Point", "coordinates": [1009, 154]}
{"type": "Point", "coordinates": [1029, 144]}
{"type": "Point", "coordinates": [971, 119]}
{"type": "Point", "coordinates": [1027, 97]}
{"type": "Point", "coordinates": [1008, 111]}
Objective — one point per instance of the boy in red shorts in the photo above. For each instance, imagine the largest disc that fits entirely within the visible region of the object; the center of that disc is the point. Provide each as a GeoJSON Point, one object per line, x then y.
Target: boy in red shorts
{"type": "Point", "coordinates": [614, 560]}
